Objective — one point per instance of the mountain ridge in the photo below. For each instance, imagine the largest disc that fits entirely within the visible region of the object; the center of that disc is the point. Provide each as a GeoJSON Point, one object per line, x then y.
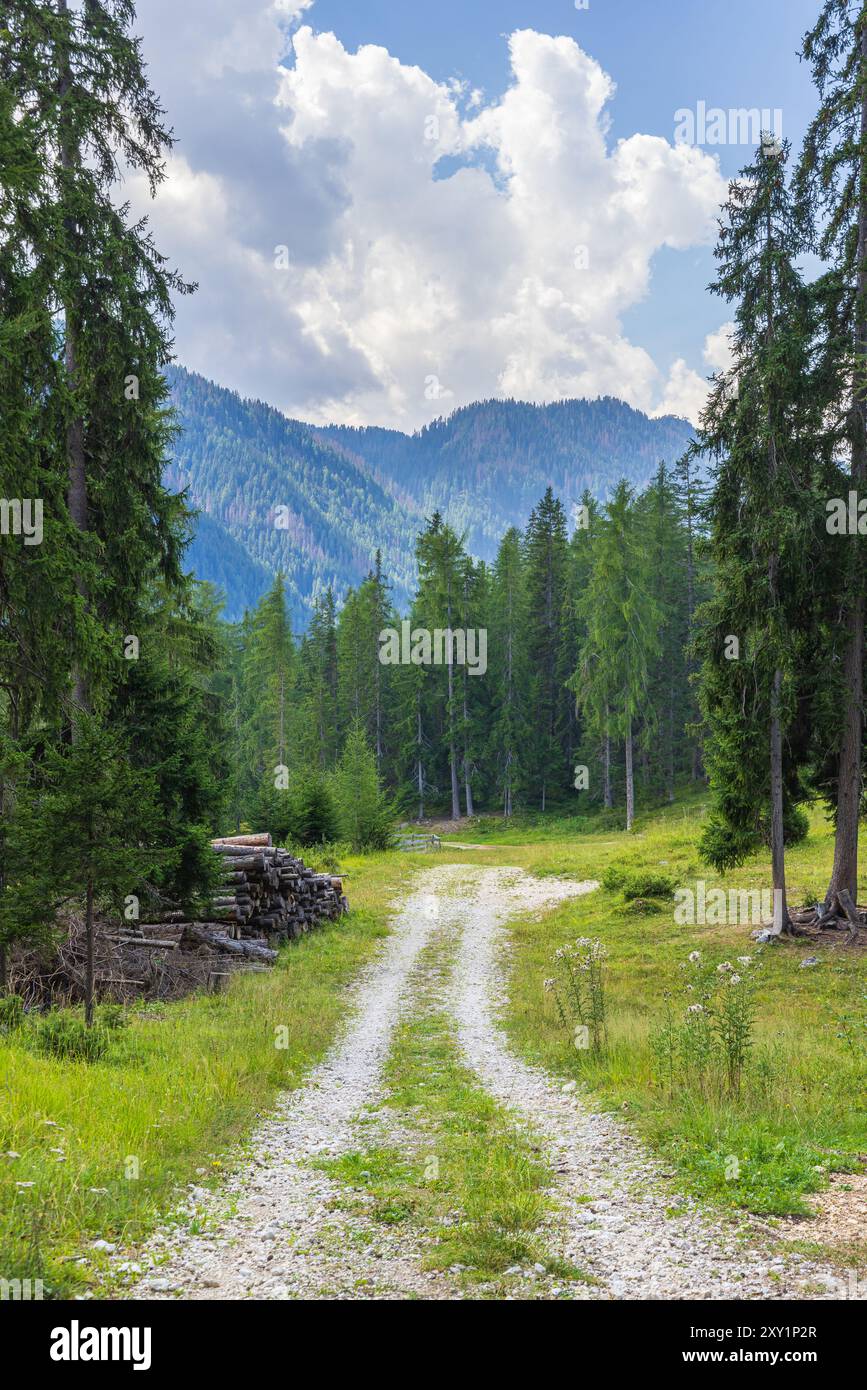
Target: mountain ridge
{"type": "Point", "coordinates": [318, 501]}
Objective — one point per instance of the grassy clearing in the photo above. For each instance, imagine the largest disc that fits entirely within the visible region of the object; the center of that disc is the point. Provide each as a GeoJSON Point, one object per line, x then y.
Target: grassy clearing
{"type": "Point", "coordinates": [469, 1179]}
{"type": "Point", "coordinates": [186, 1082]}
{"type": "Point", "coordinates": [103, 1147]}
{"type": "Point", "coordinates": [802, 1112]}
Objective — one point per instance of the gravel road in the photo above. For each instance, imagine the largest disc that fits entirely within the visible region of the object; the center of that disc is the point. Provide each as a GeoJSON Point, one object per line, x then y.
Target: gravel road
{"type": "Point", "coordinates": [279, 1230]}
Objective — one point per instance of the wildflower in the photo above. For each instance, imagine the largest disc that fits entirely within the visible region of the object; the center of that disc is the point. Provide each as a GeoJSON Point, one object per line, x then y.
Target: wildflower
{"type": "Point", "coordinates": [548, 985]}
{"type": "Point", "coordinates": [725, 968]}
{"type": "Point", "coordinates": [694, 957]}
{"type": "Point", "coordinates": [734, 979]}
{"type": "Point", "coordinates": [696, 1009]}
{"type": "Point", "coordinates": [745, 960]}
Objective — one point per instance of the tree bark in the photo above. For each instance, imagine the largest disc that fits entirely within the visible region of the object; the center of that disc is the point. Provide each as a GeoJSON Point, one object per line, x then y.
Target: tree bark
{"type": "Point", "coordinates": [778, 849]}
{"type": "Point", "coordinates": [419, 764]}
{"type": "Point", "coordinates": [88, 976]}
{"type": "Point", "coordinates": [75, 456]}
{"type": "Point", "coordinates": [606, 767]}
{"type": "Point", "coordinates": [844, 874]}
{"type": "Point", "coordinates": [630, 778]}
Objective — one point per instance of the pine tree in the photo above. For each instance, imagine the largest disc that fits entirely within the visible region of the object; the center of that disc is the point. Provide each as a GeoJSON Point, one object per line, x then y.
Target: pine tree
{"type": "Point", "coordinates": [79, 77]}
{"type": "Point", "coordinates": [545, 546]}
{"type": "Point", "coordinates": [364, 813]}
{"type": "Point", "coordinates": [89, 831]}
{"type": "Point", "coordinates": [319, 682]}
{"type": "Point", "coordinates": [760, 428]}
{"type": "Point", "coordinates": [666, 542]}
{"type": "Point", "coordinates": [509, 672]}
{"type": "Point", "coordinates": [833, 178]}
{"type": "Point", "coordinates": [622, 621]}
{"type": "Point", "coordinates": [441, 558]}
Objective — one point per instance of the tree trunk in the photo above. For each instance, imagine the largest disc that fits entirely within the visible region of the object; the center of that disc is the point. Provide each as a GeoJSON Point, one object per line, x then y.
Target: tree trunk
{"type": "Point", "coordinates": [76, 465]}
{"type": "Point", "coordinates": [420, 765]}
{"type": "Point", "coordinates": [781, 921]}
{"type": "Point", "coordinates": [630, 778]}
{"type": "Point", "coordinates": [778, 851]}
{"type": "Point", "coordinates": [606, 767]}
{"type": "Point", "coordinates": [670, 769]}
{"type": "Point", "coordinates": [844, 875]}
{"type": "Point", "coordinates": [88, 978]}
{"type": "Point", "coordinates": [468, 789]}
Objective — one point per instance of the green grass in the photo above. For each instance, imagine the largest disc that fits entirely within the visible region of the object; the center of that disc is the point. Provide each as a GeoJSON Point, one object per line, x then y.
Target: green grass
{"type": "Point", "coordinates": [802, 1111]}
{"type": "Point", "coordinates": [175, 1091]}
{"type": "Point", "coordinates": [469, 1181]}
{"type": "Point", "coordinates": [185, 1083]}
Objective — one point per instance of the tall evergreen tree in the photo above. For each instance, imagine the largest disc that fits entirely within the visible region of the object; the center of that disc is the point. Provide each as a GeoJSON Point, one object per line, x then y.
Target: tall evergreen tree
{"type": "Point", "coordinates": [622, 620]}
{"type": "Point", "coordinates": [268, 677]}
{"type": "Point", "coordinates": [545, 545]}
{"type": "Point", "coordinates": [833, 177]}
{"type": "Point", "coordinates": [760, 428]}
{"type": "Point", "coordinates": [509, 672]}
{"type": "Point", "coordinates": [441, 561]}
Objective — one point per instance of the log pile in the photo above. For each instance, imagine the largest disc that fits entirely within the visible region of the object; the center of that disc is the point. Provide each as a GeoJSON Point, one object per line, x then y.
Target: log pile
{"type": "Point", "coordinates": [266, 892]}
{"type": "Point", "coordinates": [266, 896]}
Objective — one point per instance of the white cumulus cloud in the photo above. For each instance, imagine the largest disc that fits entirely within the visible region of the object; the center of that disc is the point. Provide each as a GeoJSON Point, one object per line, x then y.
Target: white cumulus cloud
{"type": "Point", "coordinates": [430, 234]}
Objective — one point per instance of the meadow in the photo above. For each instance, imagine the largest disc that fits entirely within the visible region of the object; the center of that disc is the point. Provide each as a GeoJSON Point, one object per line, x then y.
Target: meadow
{"type": "Point", "coordinates": [101, 1150]}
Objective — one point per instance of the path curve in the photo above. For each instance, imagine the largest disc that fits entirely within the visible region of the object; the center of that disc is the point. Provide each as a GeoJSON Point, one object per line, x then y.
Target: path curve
{"type": "Point", "coordinates": [624, 1234]}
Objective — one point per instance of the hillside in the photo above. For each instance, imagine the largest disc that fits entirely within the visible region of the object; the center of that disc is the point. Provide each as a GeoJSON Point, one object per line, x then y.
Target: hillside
{"type": "Point", "coordinates": [344, 492]}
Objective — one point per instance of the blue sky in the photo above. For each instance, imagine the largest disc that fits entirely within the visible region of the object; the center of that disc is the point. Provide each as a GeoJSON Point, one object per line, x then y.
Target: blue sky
{"type": "Point", "coordinates": [662, 54]}
{"type": "Point", "coordinates": [402, 269]}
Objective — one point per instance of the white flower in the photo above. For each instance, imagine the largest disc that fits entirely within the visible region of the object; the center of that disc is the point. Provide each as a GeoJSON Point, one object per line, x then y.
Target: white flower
{"type": "Point", "coordinates": [745, 960]}
{"type": "Point", "coordinates": [696, 1009]}
{"type": "Point", "coordinates": [725, 968]}
{"type": "Point", "coordinates": [548, 986]}
{"type": "Point", "coordinates": [734, 979]}
{"type": "Point", "coordinates": [695, 957]}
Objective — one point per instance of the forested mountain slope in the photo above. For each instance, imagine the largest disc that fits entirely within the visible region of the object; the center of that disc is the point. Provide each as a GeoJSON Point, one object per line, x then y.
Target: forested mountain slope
{"type": "Point", "coordinates": [281, 499]}
{"type": "Point", "coordinates": [346, 492]}
{"type": "Point", "coordinates": [486, 466]}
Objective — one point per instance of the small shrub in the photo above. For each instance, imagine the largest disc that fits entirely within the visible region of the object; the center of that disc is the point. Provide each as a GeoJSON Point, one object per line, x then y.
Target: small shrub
{"type": "Point", "coordinates": [637, 883]}
{"type": "Point", "coordinates": [579, 991]}
{"type": "Point", "coordinates": [112, 1016]}
{"type": "Point", "coordinates": [64, 1035]}
{"type": "Point", "coordinates": [707, 1028]}
{"type": "Point", "coordinates": [11, 1013]}
{"type": "Point", "coordinates": [646, 884]}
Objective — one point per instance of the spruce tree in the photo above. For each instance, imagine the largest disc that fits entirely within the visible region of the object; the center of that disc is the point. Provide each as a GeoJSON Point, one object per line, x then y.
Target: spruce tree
{"type": "Point", "coordinates": [441, 560]}
{"type": "Point", "coordinates": [760, 429]}
{"type": "Point", "coordinates": [545, 546]}
{"type": "Point", "coordinates": [509, 671]}
{"type": "Point", "coordinates": [88, 832]}
{"type": "Point", "coordinates": [832, 178]}
{"type": "Point", "coordinates": [364, 813]}
{"type": "Point", "coordinates": [622, 621]}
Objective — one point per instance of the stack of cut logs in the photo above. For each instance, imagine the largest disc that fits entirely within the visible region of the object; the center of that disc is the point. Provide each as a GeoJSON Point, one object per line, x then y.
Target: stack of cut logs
{"type": "Point", "coordinates": [265, 896]}
{"type": "Point", "coordinates": [265, 891]}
